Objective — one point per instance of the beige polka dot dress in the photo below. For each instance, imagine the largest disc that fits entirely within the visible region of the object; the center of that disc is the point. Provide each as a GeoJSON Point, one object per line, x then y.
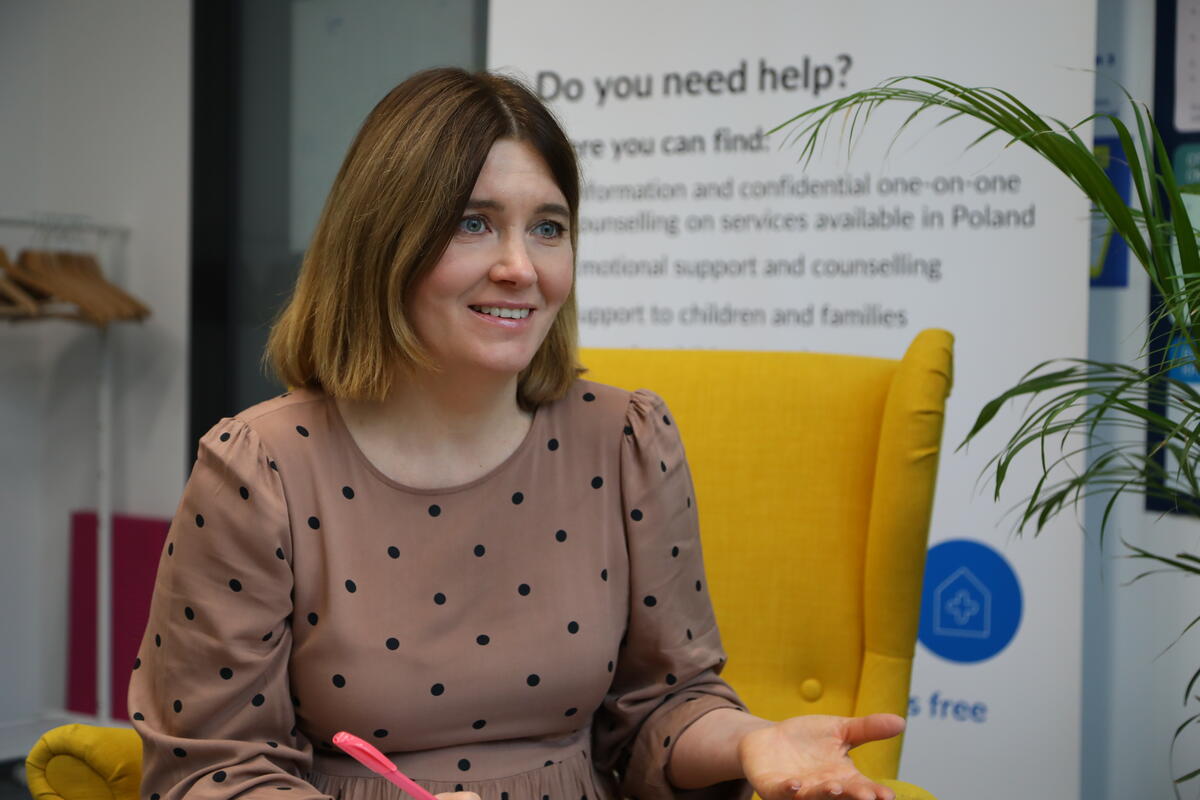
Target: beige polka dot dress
{"type": "Point", "coordinates": [541, 633]}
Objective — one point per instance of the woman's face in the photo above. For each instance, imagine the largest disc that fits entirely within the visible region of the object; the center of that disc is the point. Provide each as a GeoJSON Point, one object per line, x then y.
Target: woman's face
{"type": "Point", "coordinates": [488, 303]}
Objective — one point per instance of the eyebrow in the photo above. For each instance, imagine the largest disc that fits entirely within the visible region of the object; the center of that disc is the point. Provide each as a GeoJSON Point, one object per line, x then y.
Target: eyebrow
{"type": "Point", "coordinates": [544, 208]}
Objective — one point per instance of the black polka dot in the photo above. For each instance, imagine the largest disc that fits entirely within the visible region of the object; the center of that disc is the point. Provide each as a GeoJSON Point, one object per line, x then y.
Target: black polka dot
{"type": "Point", "coordinates": [667, 742]}
{"type": "Point", "coordinates": [698, 585]}
{"type": "Point", "coordinates": [437, 690]}
{"type": "Point", "coordinates": [303, 431]}
{"type": "Point", "coordinates": [392, 643]}
{"type": "Point", "coordinates": [480, 550]}
{"type": "Point", "coordinates": [671, 679]}
{"type": "Point", "coordinates": [267, 637]}
{"type": "Point", "coordinates": [219, 776]}
{"type": "Point", "coordinates": [523, 589]}
{"type": "Point", "coordinates": [314, 523]}
{"type": "Point", "coordinates": [675, 552]}
{"type": "Point", "coordinates": [180, 752]}
{"type": "Point", "coordinates": [273, 465]}
{"type": "Point", "coordinates": [225, 436]}
{"type": "Point", "coordinates": [650, 600]}
{"type": "Point", "coordinates": [504, 796]}
{"type": "Point", "coordinates": [666, 419]}
{"type": "Point", "coordinates": [478, 724]}
{"type": "Point", "coordinates": [170, 548]}
{"type": "Point", "coordinates": [188, 612]}
{"type": "Point", "coordinates": [394, 551]}
{"type": "Point", "coordinates": [533, 680]}
{"type": "Point", "coordinates": [570, 712]}
{"type": "Point", "coordinates": [458, 787]}
{"type": "Point", "coordinates": [560, 536]}
{"type": "Point", "coordinates": [139, 716]}
{"type": "Point", "coordinates": [347, 493]}
{"type": "Point", "coordinates": [518, 498]}
{"type": "Point", "coordinates": [157, 640]}
{"type": "Point", "coordinates": [137, 662]}
{"type": "Point", "coordinates": [552, 445]}
{"type": "Point", "coordinates": [296, 703]}
{"type": "Point", "coordinates": [434, 510]}
{"type": "Point", "coordinates": [588, 397]}
{"type": "Point", "coordinates": [610, 666]}
{"type": "Point", "coordinates": [226, 673]}
{"type": "Point", "coordinates": [272, 744]}
{"type": "Point", "coordinates": [689, 634]}
{"type": "Point", "coordinates": [244, 492]}
{"type": "Point", "coordinates": [178, 706]}
{"type": "Point", "coordinates": [235, 584]}
{"type": "Point", "coordinates": [351, 586]}
{"type": "Point", "coordinates": [440, 599]}
{"type": "Point", "coordinates": [312, 618]}
{"type": "Point", "coordinates": [380, 733]}
{"type": "Point", "coordinates": [155, 796]}
{"type": "Point", "coordinates": [662, 465]}
{"type": "Point", "coordinates": [629, 430]}
{"type": "Point", "coordinates": [257, 700]}
{"type": "Point", "coordinates": [636, 515]}
{"type": "Point", "coordinates": [464, 764]}
{"type": "Point", "coordinates": [339, 681]}
{"type": "Point", "coordinates": [572, 627]}
{"type": "Point", "coordinates": [199, 520]}
{"type": "Point", "coordinates": [482, 638]}
{"type": "Point", "coordinates": [597, 482]}
{"type": "Point", "coordinates": [689, 502]}
{"type": "Point", "coordinates": [279, 554]}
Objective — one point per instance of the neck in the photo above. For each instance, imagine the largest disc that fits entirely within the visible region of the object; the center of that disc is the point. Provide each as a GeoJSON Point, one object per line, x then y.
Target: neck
{"type": "Point", "coordinates": [442, 411]}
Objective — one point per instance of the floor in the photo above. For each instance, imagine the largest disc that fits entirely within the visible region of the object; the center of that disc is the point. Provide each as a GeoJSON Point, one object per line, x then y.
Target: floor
{"type": "Point", "coordinates": [12, 784]}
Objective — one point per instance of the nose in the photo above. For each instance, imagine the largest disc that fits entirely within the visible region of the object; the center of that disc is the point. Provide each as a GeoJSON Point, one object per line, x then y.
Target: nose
{"type": "Point", "coordinates": [513, 264]}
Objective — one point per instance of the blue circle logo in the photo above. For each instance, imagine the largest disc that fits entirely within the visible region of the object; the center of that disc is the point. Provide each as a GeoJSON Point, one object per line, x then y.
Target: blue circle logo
{"type": "Point", "coordinates": [971, 607]}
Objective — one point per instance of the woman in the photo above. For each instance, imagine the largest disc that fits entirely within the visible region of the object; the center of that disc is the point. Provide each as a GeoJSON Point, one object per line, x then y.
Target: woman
{"type": "Point", "coordinates": [445, 541]}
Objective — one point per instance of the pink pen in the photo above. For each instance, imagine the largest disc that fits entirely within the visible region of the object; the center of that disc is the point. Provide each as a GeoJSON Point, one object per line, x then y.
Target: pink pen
{"type": "Point", "coordinates": [369, 756]}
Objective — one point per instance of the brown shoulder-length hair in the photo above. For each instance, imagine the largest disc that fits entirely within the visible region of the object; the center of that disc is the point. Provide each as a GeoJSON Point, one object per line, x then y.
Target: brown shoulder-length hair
{"type": "Point", "coordinates": [390, 215]}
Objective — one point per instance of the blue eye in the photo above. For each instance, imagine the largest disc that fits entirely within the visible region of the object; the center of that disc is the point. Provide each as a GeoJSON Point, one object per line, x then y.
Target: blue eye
{"type": "Point", "coordinates": [549, 229]}
{"type": "Point", "coordinates": [472, 225]}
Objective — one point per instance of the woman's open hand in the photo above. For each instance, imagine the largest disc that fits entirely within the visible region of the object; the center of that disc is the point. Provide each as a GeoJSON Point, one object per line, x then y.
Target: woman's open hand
{"type": "Point", "coordinates": [806, 758]}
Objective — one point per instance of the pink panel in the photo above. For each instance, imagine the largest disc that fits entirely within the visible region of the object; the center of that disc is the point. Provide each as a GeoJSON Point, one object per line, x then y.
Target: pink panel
{"type": "Point", "coordinates": [136, 545]}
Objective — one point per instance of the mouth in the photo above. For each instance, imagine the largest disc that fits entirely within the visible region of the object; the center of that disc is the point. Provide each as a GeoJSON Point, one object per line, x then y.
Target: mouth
{"type": "Point", "coordinates": [502, 313]}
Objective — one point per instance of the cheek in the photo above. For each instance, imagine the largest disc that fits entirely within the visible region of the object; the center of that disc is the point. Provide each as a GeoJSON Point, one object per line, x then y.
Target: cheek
{"type": "Point", "coordinates": [557, 280]}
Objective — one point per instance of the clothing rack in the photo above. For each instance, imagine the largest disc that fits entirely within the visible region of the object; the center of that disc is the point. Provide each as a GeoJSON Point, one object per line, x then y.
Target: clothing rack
{"type": "Point", "coordinates": [65, 253]}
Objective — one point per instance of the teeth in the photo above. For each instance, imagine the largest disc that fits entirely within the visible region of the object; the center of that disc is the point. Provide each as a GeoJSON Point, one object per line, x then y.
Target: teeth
{"type": "Point", "coordinates": [506, 313]}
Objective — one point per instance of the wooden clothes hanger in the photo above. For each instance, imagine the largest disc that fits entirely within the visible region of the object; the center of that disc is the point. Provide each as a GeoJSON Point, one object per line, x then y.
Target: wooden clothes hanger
{"type": "Point", "coordinates": [76, 278]}
{"type": "Point", "coordinates": [15, 302]}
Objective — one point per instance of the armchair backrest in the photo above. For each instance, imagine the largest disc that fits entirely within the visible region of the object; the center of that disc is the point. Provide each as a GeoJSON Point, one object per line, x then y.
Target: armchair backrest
{"type": "Point", "coordinates": [814, 477]}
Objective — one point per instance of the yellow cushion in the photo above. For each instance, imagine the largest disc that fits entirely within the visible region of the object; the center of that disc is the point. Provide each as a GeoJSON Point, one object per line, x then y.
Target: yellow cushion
{"type": "Point", "coordinates": [85, 762]}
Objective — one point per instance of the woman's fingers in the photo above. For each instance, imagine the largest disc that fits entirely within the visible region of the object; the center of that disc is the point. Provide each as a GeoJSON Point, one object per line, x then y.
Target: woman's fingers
{"type": "Point", "coordinates": [457, 796]}
{"type": "Point", "coordinates": [872, 727]}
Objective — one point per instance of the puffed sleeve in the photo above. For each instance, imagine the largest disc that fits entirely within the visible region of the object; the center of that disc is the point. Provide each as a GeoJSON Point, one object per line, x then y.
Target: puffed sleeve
{"type": "Point", "coordinates": [667, 673]}
{"type": "Point", "coordinates": [209, 692]}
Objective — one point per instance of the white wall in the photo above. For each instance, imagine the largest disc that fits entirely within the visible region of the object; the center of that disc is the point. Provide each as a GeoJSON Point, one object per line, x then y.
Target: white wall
{"type": "Point", "coordinates": [94, 120]}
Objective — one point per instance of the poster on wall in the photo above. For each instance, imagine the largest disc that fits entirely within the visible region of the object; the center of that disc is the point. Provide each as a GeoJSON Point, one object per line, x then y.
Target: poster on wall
{"type": "Point", "coordinates": [699, 228]}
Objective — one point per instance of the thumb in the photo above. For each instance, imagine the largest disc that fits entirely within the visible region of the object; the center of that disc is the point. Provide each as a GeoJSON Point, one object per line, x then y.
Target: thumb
{"type": "Point", "coordinates": [872, 727]}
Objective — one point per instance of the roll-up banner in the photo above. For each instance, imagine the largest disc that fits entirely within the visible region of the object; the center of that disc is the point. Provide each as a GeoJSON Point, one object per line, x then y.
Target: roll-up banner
{"type": "Point", "coordinates": [700, 230]}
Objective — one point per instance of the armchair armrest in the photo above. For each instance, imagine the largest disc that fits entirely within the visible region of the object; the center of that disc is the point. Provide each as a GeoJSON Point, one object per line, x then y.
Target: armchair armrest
{"type": "Point", "coordinates": [85, 762]}
{"type": "Point", "coordinates": [906, 791]}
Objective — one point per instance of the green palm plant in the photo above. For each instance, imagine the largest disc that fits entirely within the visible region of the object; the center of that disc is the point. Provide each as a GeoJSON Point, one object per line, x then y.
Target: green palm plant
{"type": "Point", "coordinates": [1081, 406]}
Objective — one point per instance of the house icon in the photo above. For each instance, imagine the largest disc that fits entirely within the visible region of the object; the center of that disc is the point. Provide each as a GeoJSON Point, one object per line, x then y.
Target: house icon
{"type": "Point", "coordinates": [962, 606]}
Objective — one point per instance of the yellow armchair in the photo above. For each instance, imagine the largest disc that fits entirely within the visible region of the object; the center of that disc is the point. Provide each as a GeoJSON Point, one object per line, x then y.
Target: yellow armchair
{"type": "Point", "coordinates": [814, 476]}
{"type": "Point", "coordinates": [85, 762]}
